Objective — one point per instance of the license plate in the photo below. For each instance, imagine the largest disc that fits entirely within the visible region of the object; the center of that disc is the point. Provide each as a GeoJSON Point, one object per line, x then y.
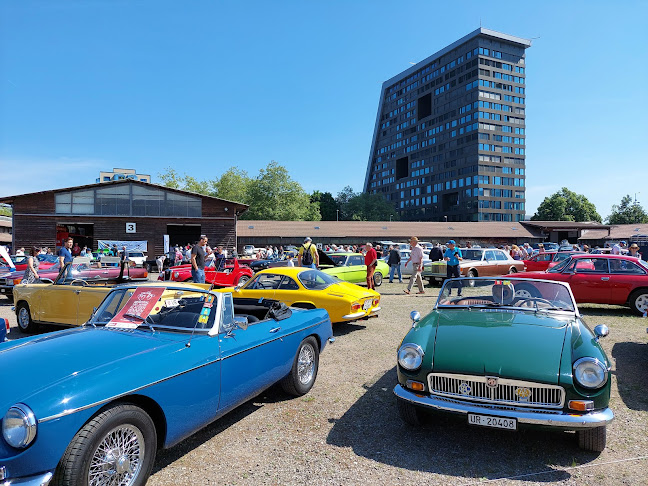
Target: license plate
{"type": "Point", "coordinates": [495, 422]}
{"type": "Point", "coordinates": [366, 305]}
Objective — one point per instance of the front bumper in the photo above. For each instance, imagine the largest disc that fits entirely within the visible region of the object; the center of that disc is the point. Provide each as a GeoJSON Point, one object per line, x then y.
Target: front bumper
{"type": "Point", "coordinates": [38, 480]}
{"type": "Point", "coordinates": [6, 290]}
{"type": "Point", "coordinates": [546, 418]}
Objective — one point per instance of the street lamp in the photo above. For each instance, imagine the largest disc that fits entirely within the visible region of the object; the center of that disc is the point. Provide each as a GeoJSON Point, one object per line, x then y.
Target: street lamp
{"type": "Point", "coordinates": [337, 215]}
{"type": "Point", "coordinates": [446, 218]}
{"type": "Point", "coordinates": [390, 217]}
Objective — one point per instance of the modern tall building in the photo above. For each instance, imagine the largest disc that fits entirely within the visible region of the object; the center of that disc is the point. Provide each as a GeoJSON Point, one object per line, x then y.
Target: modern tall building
{"type": "Point", "coordinates": [449, 140]}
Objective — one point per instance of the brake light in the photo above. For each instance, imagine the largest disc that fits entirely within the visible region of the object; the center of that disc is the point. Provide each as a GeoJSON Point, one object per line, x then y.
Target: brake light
{"type": "Point", "coordinates": [356, 306]}
{"type": "Point", "coordinates": [376, 301]}
{"type": "Point", "coordinates": [7, 325]}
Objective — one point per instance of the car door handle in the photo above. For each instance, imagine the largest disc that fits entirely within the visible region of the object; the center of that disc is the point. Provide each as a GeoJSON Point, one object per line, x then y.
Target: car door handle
{"type": "Point", "coordinates": [605, 279]}
{"type": "Point", "coordinates": [276, 329]}
{"type": "Point", "coordinates": [77, 292]}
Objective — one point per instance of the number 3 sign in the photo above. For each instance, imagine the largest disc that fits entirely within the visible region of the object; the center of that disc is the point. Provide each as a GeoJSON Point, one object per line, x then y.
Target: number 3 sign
{"type": "Point", "coordinates": [131, 227]}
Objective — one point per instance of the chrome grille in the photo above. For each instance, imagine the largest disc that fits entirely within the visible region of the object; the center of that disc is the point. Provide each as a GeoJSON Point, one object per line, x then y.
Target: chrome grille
{"type": "Point", "coordinates": [506, 392]}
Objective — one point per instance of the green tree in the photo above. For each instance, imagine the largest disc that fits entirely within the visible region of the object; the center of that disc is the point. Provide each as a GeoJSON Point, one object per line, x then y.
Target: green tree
{"type": "Point", "coordinates": [566, 205]}
{"type": "Point", "coordinates": [171, 178]}
{"type": "Point", "coordinates": [5, 210]}
{"type": "Point", "coordinates": [342, 199]}
{"type": "Point", "coordinates": [274, 195]}
{"type": "Point", "coordinates": [327, 204]}
{"type": "Point", "coordinates": [628, 212]}
{"type": "Point", "coordinates": [369, 207]}
{"type": "Point", "coordinates": [233, 185]}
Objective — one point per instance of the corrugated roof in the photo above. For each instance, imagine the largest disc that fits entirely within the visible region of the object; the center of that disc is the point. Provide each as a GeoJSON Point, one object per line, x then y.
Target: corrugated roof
{"type": "Point", "coordinates": [382, 229]}
{"type": "Point", "coordinates": [565, 224]}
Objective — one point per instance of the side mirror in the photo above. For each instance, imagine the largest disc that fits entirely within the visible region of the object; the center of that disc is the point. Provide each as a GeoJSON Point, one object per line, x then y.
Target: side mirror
{"type": "Point", "coordinates": [241, 322]}
{"type": "Point", "coordinates": [601, 331]}
{"type": "Point", "coordinates": [415, 316]}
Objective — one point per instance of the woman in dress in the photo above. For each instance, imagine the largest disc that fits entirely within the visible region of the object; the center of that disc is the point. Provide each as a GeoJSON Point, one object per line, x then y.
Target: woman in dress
{"type": "Point", "coordinates": [31, 272]}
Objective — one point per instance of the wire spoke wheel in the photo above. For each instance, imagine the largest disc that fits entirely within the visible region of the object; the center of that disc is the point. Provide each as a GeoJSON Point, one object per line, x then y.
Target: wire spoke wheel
{"type": "Point", "coordinates": [306, 364]}
{"type": "Point", "coordinates": [117, 459]}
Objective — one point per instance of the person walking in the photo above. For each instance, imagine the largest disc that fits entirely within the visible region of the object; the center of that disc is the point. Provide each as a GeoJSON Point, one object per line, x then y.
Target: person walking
{"type": "Point", "coordinates": [416, 257]}
{"type": "Point", "coordinates": [64, 254]}
{"type": "Point", "coordinates": [394, 261]}
{"type": "Point", "coordinates": [31, 272]}
{"type": "Point", "coordinates": [452, 256]}
{"type": "Point", "coordinates": [308, 256]}
{"type": "Point", "coordinates": [198, 260]}
{"type": "Point", "coordinates": [371, 262]}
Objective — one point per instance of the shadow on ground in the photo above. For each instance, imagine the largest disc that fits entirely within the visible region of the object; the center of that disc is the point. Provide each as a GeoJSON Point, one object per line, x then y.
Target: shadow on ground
{"type": "Point", "coordinates": [631, 373]}
{"type": "Point", "coordinates": [446, 445]}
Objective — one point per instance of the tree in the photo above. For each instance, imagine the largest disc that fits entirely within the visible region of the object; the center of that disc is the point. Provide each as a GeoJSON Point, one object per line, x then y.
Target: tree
{"type": "Point", "coordinates": [274, 195]}
{"type": "Point", "coordinates": [342, 199]}
{"type": "Point", "coordinates": [233, 185]}
{"type": "Point", "coordinates": [369, 207]}
{"type": "Point", "coordinates": [171, 178]}
{"type": "Point", "coordinates": [566, 205]}
{"type": "Point", "coordinates": [5, 210]}
{"type": "Point", "coordinates": [327, 204]}
{"type": "Point", "coordinates": [628, 212]}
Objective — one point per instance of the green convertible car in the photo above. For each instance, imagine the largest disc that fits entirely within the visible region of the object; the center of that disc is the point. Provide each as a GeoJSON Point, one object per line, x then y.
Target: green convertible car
{"type": "Point", "coordinates": [350, 267]}
{"type": "Point", "coordinates": [507, 353]}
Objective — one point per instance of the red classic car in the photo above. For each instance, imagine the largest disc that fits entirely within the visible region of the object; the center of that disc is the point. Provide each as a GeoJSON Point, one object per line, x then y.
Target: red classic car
{"type": "Point", "coordinates": [542, 261]}
{"type": "Point", "coordinates": [233, 274]}
{"type": "Point", "coordinates": [602, 279]}
{"type": "Point", "coordinates": [20, 263]}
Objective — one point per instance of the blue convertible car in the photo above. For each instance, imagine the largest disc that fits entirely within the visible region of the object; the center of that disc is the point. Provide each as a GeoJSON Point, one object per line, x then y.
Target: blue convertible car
{"type": "Point", "coordinates": [153, 365]}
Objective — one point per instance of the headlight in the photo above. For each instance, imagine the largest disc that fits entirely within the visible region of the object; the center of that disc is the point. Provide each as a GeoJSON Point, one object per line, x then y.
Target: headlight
{"type": "Point", "coordinates": [410, 356]}
{"type": "Point", "coordinates": [19, 426]}
{"type": "Point", "coordinates": [175, 274]}
{"type": "Point", "coordinates": [590, 373]}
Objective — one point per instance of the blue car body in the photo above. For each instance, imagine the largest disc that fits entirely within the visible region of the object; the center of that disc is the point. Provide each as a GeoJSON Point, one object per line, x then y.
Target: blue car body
{"type": "Point", "coordinates": [183, 379]}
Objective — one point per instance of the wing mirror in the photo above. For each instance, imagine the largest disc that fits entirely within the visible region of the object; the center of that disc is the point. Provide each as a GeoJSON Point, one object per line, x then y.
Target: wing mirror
{"type": "Point", "coordinates": [241, 322]}
{"type": "Point", "coordinates": [415, 316]}
{"type": "Point", "coordinates": [601, 331]}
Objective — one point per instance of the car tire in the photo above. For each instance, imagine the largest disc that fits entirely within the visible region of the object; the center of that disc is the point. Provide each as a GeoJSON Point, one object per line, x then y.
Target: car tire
{"type": "Point", "coordinates": [304, 369]}
{"type": "Point", "coordinates": [378, 279]}
{"type": "Point", "coordinates": [512, 270]}
{"type": "Point", "coordinates": [94, 444]}
{"type": "Point", "coordinates": [526, 291]}
{"type": "Point", "coordinates": [639, 301]}
{"type": "Point", "coordinates": [189, 280]}
{"type": "Point", "coordinates": [592, 439]}
{"type": "Point", "coordinates": [411, 414]}
{"type": "Point", "coordinates": [471, 275]}
{"type": "Point", "coordinates": [23, 316]}
{"type": "Point", "coordinates": [242, 279]}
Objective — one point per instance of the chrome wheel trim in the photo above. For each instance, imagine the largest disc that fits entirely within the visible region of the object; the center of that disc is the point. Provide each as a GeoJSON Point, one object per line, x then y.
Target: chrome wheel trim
{"type": "Point", "coordinates": [306, 364]}
{"type": "Point", "coordinates": [118, 458]}
{"type": "Point", "coordinates": [641, 302]}
{"type": "Point", "coordinates": [524, 293]}
{"type": "Point", "coordinates": [23, 318]}
{"type": "Point", "coordinates": [243, 279]}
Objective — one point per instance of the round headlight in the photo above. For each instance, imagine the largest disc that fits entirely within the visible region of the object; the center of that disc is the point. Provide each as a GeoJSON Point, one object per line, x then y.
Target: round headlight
{"type": "Point", "coordinates": [19, 426]}
{"type": "Point", "coordinates": [590, 373]}
{"type": "Point", "coordinates": [410, 356]}
{"type": "Point", "coordinates": [176, 274]}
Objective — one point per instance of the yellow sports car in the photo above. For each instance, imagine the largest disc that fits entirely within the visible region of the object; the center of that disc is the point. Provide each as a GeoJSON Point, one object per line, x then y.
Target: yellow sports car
{"type": "Point", "coordinates": [308, 288]}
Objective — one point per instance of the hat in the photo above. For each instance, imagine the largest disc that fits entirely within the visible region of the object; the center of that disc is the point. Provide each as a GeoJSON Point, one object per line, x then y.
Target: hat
{"type": "Point", "coordinates": [634, 245]}
{"type": "Point", "coordinates": [307, 239]}
{"type": "Point", "coordinates": [451, 242]}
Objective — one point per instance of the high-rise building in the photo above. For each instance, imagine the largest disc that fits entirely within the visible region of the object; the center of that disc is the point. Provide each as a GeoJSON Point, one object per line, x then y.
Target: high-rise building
{"type": "Point", "coordinates": [449, 140]}
{"type": "Point", "coordinates": [119, 174]}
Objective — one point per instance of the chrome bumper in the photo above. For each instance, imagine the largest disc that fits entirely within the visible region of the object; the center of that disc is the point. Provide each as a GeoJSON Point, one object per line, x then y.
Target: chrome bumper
{"type": "Point", "coordinates": [358, 315]}
{"type": "Point", "coordinates": [548, 418]}
{"type": "Point", "coordinates": [39, 480]}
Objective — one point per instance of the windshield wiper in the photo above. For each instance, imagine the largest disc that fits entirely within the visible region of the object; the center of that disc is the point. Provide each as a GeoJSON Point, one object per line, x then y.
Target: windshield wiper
{"type": "Point", "coordinates": [143, 319]}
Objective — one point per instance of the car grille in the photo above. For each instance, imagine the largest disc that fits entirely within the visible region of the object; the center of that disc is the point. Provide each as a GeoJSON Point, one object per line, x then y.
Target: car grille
{"type": "Point", "coordinates": [6, 281]}
{"type": "Point", "coordinates": [505, 392]}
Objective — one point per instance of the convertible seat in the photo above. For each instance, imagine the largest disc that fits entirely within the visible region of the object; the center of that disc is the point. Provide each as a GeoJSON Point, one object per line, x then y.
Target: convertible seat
{"type": "Point", "coordinates": [250, 317]}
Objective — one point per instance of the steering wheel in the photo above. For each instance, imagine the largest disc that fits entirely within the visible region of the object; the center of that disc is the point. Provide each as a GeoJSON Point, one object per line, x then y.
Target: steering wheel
{"type": "Point", "coordinates": [524, 300]}
{"type": "Point", "coordinates": [83, 282]}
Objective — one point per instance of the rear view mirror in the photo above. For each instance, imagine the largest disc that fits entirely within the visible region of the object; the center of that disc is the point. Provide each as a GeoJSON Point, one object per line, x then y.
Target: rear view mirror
{"type": "Point", "coordinates": [241, 322]}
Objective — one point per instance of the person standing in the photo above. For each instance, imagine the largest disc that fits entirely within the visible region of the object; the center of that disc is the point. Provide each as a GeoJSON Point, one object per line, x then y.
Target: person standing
{"type": "Point", "coordinates": [634, 251]}
{"type": "Point", "coordinates": [123, 257]}
{"type": "Point", "coordinates": [436, 253]}
{"type": "Point", "coordinates": [308, 256]}
{"type": "Point", "coordinates": [371, 262]}
{"type": "Point", "coordinates": [452, 256]}
{"type": "Point", "coordinates": [416, 257]}
{"type": "Point", "coordinates": [64, 254]}
{"type": "Point", "coordinates": [31, 272]}
{"type": "Point", "coordinates": [394, 261]}
{"type": "Point", "coordinates": [159, 261]}
{"type": "Point", "coordinates": [198, 260]}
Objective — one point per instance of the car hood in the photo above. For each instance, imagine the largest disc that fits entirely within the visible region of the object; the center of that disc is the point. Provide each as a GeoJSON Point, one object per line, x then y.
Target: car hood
{"type": "Point", "coordinates": [349, 290]}
{"type": "Point", "coordinates": [86, 365]}
{"type": "Point", "coordinates": [499, 342]}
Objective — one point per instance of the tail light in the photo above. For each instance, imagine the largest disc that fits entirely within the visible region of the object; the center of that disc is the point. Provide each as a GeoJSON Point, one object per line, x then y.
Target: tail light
{"type": "Point", "coordinates": [356, 306]}
{"type": "Point", "coordinates": [7, 327]}
{"type": "Point", "coordinates": [376, 301]}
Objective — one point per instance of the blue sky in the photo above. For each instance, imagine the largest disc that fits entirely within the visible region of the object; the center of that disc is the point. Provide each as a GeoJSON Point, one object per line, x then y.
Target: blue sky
{"type": "Point", "coordinates": [206, 85]}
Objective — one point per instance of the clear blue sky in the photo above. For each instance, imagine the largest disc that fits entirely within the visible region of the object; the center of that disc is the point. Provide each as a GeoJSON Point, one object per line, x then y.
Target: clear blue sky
{"type": "Point", "coordinates": [88, 85]}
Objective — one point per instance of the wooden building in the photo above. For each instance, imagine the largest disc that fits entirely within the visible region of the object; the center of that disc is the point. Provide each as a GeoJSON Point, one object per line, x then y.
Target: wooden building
{"type": "Point", "coordinates": [125, 210]}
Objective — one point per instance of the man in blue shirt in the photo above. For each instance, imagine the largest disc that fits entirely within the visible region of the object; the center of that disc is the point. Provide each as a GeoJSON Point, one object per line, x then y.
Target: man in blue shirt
{"type": "Point", "coordinates": [452, 256]}
{"type": "Point", "coordinates": [64, 254]}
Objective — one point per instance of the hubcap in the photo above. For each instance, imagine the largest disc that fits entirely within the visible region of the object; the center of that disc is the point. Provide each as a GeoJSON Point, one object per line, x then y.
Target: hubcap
{"type": "Point", "coordinates": [23, 318]}
{"type": "Point", "coordinates": [118, 458]}
{"type": "Point", "coordinates": [524, 294]}
{"type": "Point", "coordinates": [642, 302]}
{"type": "Point", "coordinates": [306, 364]}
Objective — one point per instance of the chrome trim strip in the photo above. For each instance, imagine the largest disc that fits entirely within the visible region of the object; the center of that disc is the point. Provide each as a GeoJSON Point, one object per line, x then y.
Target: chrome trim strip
{"type": "Point", "coordinates": [555, 418]}
{"type": "Point", "coordinates": [134, 390]}
{"type": "Point", "coordinates": [40, 480]}
{"type": "Point", "coordinates": [354, 315]}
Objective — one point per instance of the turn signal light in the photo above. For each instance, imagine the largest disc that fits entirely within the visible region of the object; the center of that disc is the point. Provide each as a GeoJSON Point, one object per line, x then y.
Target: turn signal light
{"type": "Point", "coordinates": [415, 385]}
{"type": "Point", "coordinates": [356, 306]}
{"type": "Point", "coordinates": [376, 301]}
{"type": "Point", "coordinates": [581, 405]}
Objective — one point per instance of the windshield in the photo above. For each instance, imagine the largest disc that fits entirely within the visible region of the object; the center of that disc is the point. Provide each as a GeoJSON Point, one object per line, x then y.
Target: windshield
{"type": "Point", "coordinates": [339, 260]}
{"type": "Point", "coordinates": [560, 266]}
{"type": "Point", "coordinates": [513, 293]}
{"type": "Point", "coordinates": [316, 280]}
{"type": "Point", "coordinates": [471, 254]}
{"type": "Point", "coordinates": [135, 254]}
{"type": "Point", "coordinates": [129, 308]}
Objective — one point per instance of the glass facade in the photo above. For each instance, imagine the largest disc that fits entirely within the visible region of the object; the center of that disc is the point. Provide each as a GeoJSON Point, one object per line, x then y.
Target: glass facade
{"type": "Point", "coordinates": [446, 125]}
{"type": "Point", "coordinates": [128, 200]}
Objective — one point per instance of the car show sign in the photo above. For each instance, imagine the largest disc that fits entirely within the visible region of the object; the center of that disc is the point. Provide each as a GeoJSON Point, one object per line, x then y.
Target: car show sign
{"type": "Point", "coordinates": [134, 245]}
{"type": "Point", "coordinates": [138, 307]}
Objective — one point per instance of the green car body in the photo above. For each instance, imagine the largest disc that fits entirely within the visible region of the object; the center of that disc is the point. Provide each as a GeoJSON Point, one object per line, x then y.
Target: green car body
{"type": "Point", "coordinates": [473, 354]}
{"type": "Point", "coordinates": [350, 267]}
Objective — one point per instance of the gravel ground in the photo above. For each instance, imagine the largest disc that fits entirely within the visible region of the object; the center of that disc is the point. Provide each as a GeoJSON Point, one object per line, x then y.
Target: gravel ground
{"type": "Point", "coordinates": [347, 429]}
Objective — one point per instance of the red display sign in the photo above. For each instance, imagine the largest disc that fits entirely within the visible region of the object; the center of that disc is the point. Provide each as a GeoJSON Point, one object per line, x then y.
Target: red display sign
{"type": "Point", "coordinates": [137, 308]}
